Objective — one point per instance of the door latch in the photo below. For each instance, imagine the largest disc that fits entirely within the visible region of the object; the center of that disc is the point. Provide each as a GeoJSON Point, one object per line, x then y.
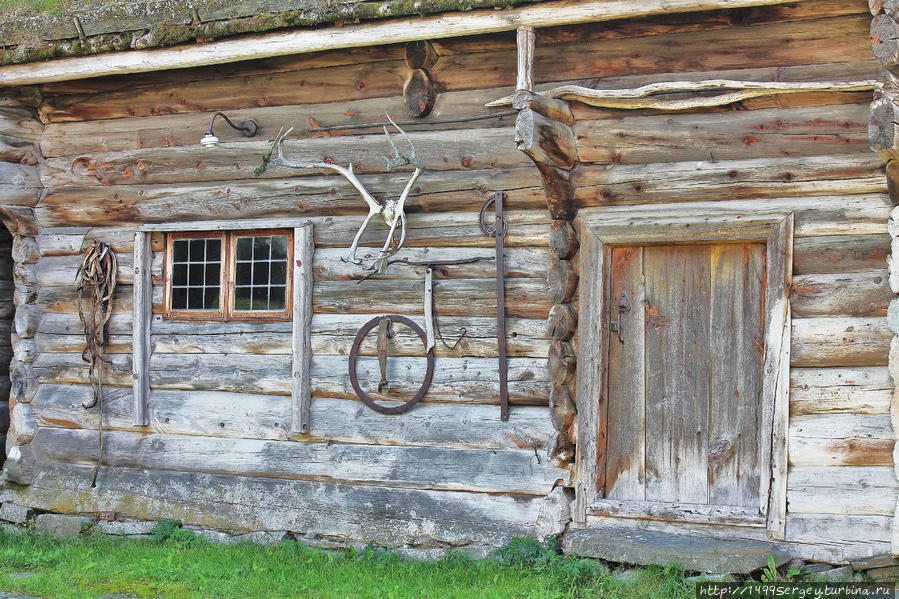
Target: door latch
{"type": "Point", "coordinates": [623, 305]}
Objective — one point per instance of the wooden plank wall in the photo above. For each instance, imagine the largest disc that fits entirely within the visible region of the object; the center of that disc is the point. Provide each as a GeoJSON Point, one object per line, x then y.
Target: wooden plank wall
{"type": "Point", "coordinates": [807, 153]}
{"type": "Point", "coordinates": [123, 151]}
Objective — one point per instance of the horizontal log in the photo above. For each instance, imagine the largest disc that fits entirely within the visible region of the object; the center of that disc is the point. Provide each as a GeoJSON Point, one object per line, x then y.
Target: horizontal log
{"type": "Point", "coordinates": [757, 178]}
{"type": "Point", "coordinates": [333, 511]}
{"type": "Point", "coordinates": [841, 440]}
{"type": "Point", "coordinates": [66, 242]}
{"type": "Point", "coordinates": [432, 468]}
{"type": "Point", "coordinates": [840, 390]}
{"type": "Point", "coordinates": [839, 253]}
{"type": "Point", "coordinates": [751, 134]}
{"type": "Point", "coordinates": [282, 198]}
{"type": "Point", "coordinates": [468, 380]}
{"type": "Point", "coordinates": [843, 294]}
{"type": "Point", "coordinates": [61, 271]}
{"type": "Point", "coordinates": [752, 46]}
{"type": "Point", "coordinates": [470, 149]}
{"type": "Point", "coordinates": [518, 262]}
{"type": "Point", "coordinates": [21, 123]}
{"type": "Point", "coordinates": [244, 415]}
{"type": "Point", "coordinates": [840, 342]}
{"type": "Point", "coordinates": [332, 334]}
{"type": "Point", "coordinates": [842, 490]}
{"type": "Point", "coordinates": [122, 134]}
{"type": "Point", "coordinates": [814, 216]}
{"type": "Point", "coordinates": [525, 298]}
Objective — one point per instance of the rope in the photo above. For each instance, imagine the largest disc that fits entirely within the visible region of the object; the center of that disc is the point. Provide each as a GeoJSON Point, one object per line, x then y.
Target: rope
{"type": "Point", "coordinates": [96, 283]}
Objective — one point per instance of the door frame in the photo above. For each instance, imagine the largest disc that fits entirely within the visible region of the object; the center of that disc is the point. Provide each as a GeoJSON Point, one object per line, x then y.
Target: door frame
{"type": "Point", "coordinates": [601, 228]}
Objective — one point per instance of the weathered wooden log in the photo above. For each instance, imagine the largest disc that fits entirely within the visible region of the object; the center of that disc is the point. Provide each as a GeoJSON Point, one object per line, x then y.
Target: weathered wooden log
{"type": "Point", "coordinates": [860, 490]}
{"type": "Point", "coordinates": [24, 350]}
{"type": "Point", "coordinates": [419, 94]}
{"type": "Point", "coordinates": [822, 342]}
{"type": "Point", "coordinates": [456, 518]}
{"type": "Point", "coordinates": [562, 322]}
{"type": "Point", "coordinates": [561, 281]}
{"type": "Point", "coordinates": [844, 294]}
{"type": "Point", "coordinates": [732, 179]}
{"type": "Point", "coordinates": [562, 362]}
{"type": "Point", "coordinates": [841, 440]}
{"type": "Point", "coordinates": [22, 425]}
{"type": "Point", "coordinates": [485, 470]}
{"type": "Point", "coordinates": [563, 243]}
{"type": "Point", "coordinates": [220, 414]}
{"type": "Point", "coordinates": [840, 390]}
{"type": "Point", "coordinates": [332, 334]}
{"type": "Point", "coordinates": [892, 172]}
{"type": "Point", "coordinates": [24, 382]}
{"type": "Point", "coordinates": [138, 204]}
{"type": "Point", "coordinates": [18, 150]}
{"type": "Point", "coordinates": [26, 321]}
{"type": "Point", "coordinates": [19, 465]}
{"type": "Point", "coordinates": [60, 271]}
{"type": "Point", "coordinates": [561, 451]}
{"type": "Point", "coordinates": [467, 380]}
{"type": "Point", "coordinates": [839, 253]}
{"type": "Point", "coordinates": [883, 134]}
{"type": "Point", "coordinates": [25, 249]}
{"type": "Point", "coordinates": [885, 41]}
{"type": "Point", "coordinates": [545, 141]}
{"type": "Point", "coordinates": [421, 54]}
{"type": "Point", "coordinates": [562, 408]}
{"type": "Point", "coordinates": [875, 6]}
{"type": "Point", "coordinates": [439, 150]}
{"type": "Point", "coordinates": [526, 42]}
{"type": "Point", "coordinates": [751, 134]}
{"type": "Point", "coordinates": [555, 110]}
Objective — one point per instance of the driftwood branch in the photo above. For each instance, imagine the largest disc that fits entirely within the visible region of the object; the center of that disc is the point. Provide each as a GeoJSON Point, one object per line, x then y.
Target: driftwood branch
{"type": "Point", "coordinates": [734, 91]}
{"type": "Point", "coordinates": [393, 211]}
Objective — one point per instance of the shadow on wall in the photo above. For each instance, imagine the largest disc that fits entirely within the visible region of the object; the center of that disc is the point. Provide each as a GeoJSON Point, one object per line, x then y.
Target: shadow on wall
{"type": "Point", "coordinates": [7, 311]}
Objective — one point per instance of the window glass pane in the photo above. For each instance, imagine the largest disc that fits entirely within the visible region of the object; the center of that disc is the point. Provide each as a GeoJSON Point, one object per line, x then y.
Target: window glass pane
{"type": "Point", "coordinates": [213, 272]}
{"type": "Point", "coordinates": [213, 250]}
{"type": "Point", "coordinates": [179, 250]}
{"type": "Point", "coordinates": [277, 298]}
{"type": "Point", "coordinates": [260, 298]}
{"type": "Point", "coordinates": [179, 298]}
{"type": "Point", "coordinates": [242, 298]}
{"type": "Point", "coordinates": [195, 298]}
{"type": "Point", "coordinates": [197, 250]}
{"type": "Point", "coordinates": [279, 273]}
{"type": "Point", "coordinates": [195, 275]}
{"type": "Point", "coordinates": [262, 248]}
{"type": "Point", "coordinates": [279, 247]}
{"type": "Point", "coordinates": [242, 274]}
{"type": "Point", "coordinates": [211, 299]}
{"type": "Point", "coordinates": [244, 248]}
{"type": "Point", "coordinates": [260, 273]}
{"type": "Point", "coordinates": [179, 274]}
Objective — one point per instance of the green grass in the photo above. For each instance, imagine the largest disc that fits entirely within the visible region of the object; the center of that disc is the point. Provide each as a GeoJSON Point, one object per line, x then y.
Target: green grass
{"type": "Point", "coordinates": [33, 7]}
{"type": "Point", "coordinates": [181, 566]}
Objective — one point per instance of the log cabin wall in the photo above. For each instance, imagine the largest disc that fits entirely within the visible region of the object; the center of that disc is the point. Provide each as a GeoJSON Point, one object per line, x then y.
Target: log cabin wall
{"type": "Point", "coordinates": [119, 152]}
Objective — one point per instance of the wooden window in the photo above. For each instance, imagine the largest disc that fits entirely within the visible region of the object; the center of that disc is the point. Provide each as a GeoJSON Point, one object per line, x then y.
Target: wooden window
{"type": "Point", "coordinates": [236, 275]}
{"type": "Point", "coordinates": [255, 295]}
{"type": "Point", "coordinates": [683, 358]}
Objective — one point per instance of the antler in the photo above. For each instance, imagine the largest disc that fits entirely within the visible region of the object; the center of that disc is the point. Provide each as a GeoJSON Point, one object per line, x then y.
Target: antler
{"type": "Point", "coordinates": [393, 211]}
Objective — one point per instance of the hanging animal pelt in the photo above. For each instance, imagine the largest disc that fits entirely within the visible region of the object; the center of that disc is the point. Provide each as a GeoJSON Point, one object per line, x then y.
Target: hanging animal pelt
{"type": "Point", "coordinates": [96, 283]}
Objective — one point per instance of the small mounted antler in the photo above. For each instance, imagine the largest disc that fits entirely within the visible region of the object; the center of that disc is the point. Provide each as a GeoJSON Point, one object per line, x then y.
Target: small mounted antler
{"type": "Point", "coordinates": [393, 211]}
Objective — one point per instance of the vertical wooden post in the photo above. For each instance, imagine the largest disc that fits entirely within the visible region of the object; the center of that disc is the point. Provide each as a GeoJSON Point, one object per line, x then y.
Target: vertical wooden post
{"type": "Point", "coordinates": [526, 44]}
{"type": "Point", "coordinates": [143, 314]}
{"type": "Point", "coordinates": [301, 393]}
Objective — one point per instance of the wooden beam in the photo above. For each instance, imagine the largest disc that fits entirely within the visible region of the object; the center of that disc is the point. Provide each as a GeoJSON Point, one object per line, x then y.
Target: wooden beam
{"type": "Point", "coordinates": [481, 22]}
{"type": "Point", "coordinates": [143, 314]}
{"type": "Point", "coordinates": [527, 39]}
{"type": "Point", "coordinates": [301, 394]}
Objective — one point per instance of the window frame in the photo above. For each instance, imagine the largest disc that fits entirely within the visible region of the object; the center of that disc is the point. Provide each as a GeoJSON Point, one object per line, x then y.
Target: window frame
{"type": "Point", "coordinates": [227, 278]}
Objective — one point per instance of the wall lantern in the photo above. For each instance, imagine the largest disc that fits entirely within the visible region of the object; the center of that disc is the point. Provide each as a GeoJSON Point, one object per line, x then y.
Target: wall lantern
{"type": "Point", "coordinates": [246, 128]}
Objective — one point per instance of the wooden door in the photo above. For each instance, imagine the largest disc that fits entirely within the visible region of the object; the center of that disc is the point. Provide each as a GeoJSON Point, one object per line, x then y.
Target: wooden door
{"type": "Point", "coordinates": [685, 378]}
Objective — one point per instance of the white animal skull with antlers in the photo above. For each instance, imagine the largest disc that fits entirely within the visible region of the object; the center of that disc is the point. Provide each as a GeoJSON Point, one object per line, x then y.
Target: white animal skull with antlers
{"type": "Point", "coordinates": [393, 211]}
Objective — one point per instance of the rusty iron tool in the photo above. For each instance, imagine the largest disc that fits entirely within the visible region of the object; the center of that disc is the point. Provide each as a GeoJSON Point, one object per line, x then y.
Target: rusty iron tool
{"type": "Point", "coordinates": [498, 230]}
{"type": "Point", "coordinates": [384, 333]}
{"type": "Point", "coordinates": [354, 354]}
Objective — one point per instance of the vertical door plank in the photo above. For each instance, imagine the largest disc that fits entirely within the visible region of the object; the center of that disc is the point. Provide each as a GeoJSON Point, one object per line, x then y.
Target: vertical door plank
{"type": "Point", "coordinates": [301, 361]}
{"type": "Point", "coordinates": [736, 351]}
{"type": "Point", "coordinates": [142, 306]}
{"type": "Point", "coordinates": [626, 409]}
{"type": "Point", "coordinates": [677, 285]}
